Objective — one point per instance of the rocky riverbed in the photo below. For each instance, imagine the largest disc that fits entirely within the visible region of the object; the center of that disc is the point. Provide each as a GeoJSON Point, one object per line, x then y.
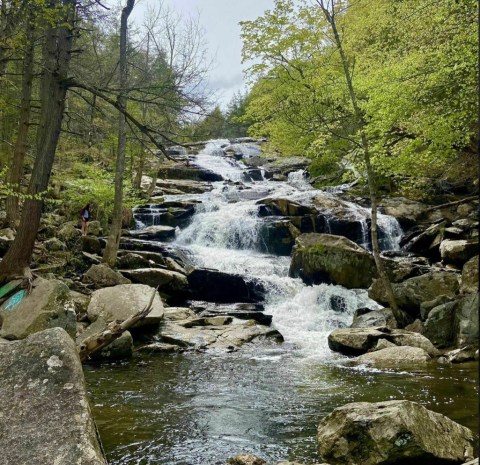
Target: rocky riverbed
{"type": "Point", "coordinates": [269, 316]}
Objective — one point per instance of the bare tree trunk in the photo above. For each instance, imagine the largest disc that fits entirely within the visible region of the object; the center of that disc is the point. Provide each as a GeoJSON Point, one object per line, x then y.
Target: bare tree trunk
{"type": "Point", "coordinates": [19, 151]}
{"type": "Point", "coordinates": [371, 177]}
{"type": "Point", "coordinates": [56, 61]}
{"type": "Point", "coordinates": [91, 130]}
{"type": "Point", "coordinates": [111, 249]}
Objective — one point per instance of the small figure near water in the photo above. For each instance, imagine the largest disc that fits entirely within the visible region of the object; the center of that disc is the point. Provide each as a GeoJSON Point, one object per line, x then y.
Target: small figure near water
{"type": "Point", "coordinates": [86, 216]}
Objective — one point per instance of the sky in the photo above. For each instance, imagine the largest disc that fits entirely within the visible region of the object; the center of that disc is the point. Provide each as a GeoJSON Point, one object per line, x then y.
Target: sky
{"type": "Point", "coordinates": [220, 20]}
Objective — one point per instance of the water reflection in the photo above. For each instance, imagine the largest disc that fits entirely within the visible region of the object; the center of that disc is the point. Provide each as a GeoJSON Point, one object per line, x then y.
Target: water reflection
{"type": "Point", "coordinates": [201, 409]}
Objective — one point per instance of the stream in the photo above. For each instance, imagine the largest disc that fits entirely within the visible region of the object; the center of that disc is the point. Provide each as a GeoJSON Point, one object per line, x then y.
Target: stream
{"type": "Point", "coordinates": [266, 399]}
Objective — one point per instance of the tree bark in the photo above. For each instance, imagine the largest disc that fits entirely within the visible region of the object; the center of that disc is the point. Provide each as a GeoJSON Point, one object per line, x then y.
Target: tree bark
{"type": "Point", "coordinates": [56, 61]}
{"type": "Point", "coordinates": [371, 176]}
{"type": "Point", "coordinates": [111, 249]}
{"type": "Point", "coordinates": [19, 151]}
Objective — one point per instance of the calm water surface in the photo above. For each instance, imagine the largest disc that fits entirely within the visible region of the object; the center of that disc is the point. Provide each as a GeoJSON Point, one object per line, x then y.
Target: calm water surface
{"type": "Point", "coordinates": [203, 408]}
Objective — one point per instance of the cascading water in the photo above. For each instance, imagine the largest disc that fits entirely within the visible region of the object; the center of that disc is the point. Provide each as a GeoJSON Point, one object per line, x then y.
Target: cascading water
{"type": "Point", "coordinates": [224, 235]}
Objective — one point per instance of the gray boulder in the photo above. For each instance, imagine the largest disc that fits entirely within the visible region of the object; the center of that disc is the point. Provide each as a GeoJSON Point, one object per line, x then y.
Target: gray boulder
{"type": "Point", "coordinates": [48, 306]}
{"type": "Point", "coordinates": [68, 233]}
{"type": "Point", "coordinates": [366, 318]}
{"type": "Point", "coordinates": [393, 432]}
{"type": "Point", "coordinates": [411, 293]}
{"type": "Point", "coordinates": [167, 280]}
{"type": "Point", "coordinates": [95, 228]}
{"type": "Point", "coordinates": [458, 252]}
{"type": "Point", "coordinates": [392, 356]}
{"type": "Point", "coordinates": [464, 354]}
{"type": "Point", "coordinates": [118, 303]}
{"type": "Point", "coordinates": [44, 414]}
{"type": "Point", "coordinates": [406, 211]}
{"type": "Point", "coordinates": [439, 327]}
{"type": "Point", "coordinates": [333, 259]}
{"type": "Point", "coordinates": [91, 244]}
{"type": "Point", "coordinates": [157, 233]}
{"type": "Point", "coordinates": [357, 341]}
{"type": "Point", "coordinates": [470, 276]}
{"type": "Point", "coordinates": [103, 276]}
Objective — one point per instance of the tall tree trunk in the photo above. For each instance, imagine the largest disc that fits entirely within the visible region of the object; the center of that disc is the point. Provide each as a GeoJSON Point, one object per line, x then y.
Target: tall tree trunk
{"type": "Point", "coordinates": [371, 177]}
{"type": "Point", "coordinates": [111, 249]}
{"type": "Point", "coordinates": [56, 61]}
{"type": "Point", "coordinates": [19, 151]}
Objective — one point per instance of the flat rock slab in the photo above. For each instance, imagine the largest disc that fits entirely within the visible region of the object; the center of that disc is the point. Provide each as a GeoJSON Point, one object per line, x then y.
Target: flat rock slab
{"type": "Point", "coordinates": [44, 414]}
{"type": "Point", "coordinates": [393, 432]}
{"type": "Point", "coordinates": [154, 233]}
{"type": "Point", "coordinates": [396, 355]}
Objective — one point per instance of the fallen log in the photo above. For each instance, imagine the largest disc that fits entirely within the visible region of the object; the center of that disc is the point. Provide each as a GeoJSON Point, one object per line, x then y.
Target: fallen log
{"type": "Point", "coordinates": [111, 332]}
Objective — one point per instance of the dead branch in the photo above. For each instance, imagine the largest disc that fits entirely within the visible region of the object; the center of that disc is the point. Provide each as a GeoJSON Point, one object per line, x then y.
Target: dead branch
{"type": "Point", "coordinates": [111, 332]}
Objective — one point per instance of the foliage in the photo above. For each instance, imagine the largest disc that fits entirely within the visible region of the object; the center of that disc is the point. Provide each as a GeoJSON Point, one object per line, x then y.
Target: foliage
{"type": "Point", "coordinates": [414, 67]}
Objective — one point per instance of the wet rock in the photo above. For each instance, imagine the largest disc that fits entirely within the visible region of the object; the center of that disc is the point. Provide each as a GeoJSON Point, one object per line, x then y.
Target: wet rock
{"type": "Point", "coordinates": [103, 276]}
{"type": "Point", "coordinates": [154, 233]}
{"type": "Point", "coordinates": [458, 252]}
{"type": "Point", "coordinates": [465, 354]}
{"type": "Point", "coordinates": [159, 348]}
{"type": "Point", "coordinates": [118, 349]}
{"type": "Point", "coordinates": [393, 432]}
{"type": "Point", "coordinates": [217, 286]}
{"type": "Point", "coordinates": [246, 459]}
{"type": "Point", "coordinates": [411, 293]}
{"type": "Point", "coordinates": [396, 355]}
{"type": "Point", "coordinates": [284, 207]}
{"type": "Point", "coordinates": [167, 281]}
{"type": "Point", "coordinates": [470, 276]}
{"type": "Point", "coordinates": [120, 302]}
{"type": "Point", "coordinates": [278, 237]}
{"type": "Point", "coordinates": [333, 259]}
{"type": "Point", "coordinates": [357, 341]}
{"type": "Point", "coordinates": [48, 306]}
{"type": "Point", "coordinates": [239, 311]}
{"type": "Point", "coordinates": [54, 245]}
{"type": "Point", "coordinates": [222, 337]}
{"type": "Point", "coordinates": [373, 318]}
{"type": "Point", "coordinates": [91, 244]}
{"type": "Point", "coordinates": [180, 186]}
{"type": "Point", "coordinates": [192, 173]}
{"type": "Point", "coordinates": [286, 165]}
{"type": "Point", "coordinates": [45, 414]}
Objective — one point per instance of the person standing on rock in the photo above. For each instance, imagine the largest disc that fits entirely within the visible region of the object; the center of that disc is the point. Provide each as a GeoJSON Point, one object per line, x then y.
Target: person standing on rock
{"type": "Point", "coordinates": [86, 216]}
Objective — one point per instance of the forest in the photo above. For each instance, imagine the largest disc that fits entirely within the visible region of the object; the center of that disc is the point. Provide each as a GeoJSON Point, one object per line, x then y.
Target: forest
{"type": "Point", "coordinates": [308, 248]}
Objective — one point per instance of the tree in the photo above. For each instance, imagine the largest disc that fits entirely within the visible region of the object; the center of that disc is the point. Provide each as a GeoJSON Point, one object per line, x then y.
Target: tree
{"type": "Point", "coordinates": [56, 61]}
{"type": "Point", "coordinates": [111, 249]}
{"type": "Point", "coordinates": [329, 10]}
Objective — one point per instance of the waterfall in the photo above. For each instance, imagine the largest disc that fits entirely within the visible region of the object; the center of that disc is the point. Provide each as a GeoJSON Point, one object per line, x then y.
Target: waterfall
{"type": "Point", "coordinates": [224, 234]}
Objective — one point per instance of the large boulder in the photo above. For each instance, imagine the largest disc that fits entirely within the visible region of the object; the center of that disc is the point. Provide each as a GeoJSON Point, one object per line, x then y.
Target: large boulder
{"type": "Point", "coordinates": [367, 318]}
{"type": "Point", "coordinates": [278, 236]}
{"type": "Point", "coordinates": [286, 165]}
{"type": "Point", "coordinates": [92, 245]}
{"type": "Point", "coordinates": [170, 282]}
{"type": "Point", "coordinates": [193, 173]}
{"type": "Point", "coordinates": [48, 306]}
{"type": "Point", "coordinates": [44, 414]}
{"type": "Point", "coordinates": [69, 233]}
{"type": "Point", "coordinates": [391, 356]}
{"type": "Point", "coordinates": [470, 276]}
{"type": "Point", "coordinates": [333, 259]}
{"type": "Point", "coordinates": [121, 302]}
{"type": "Point", "coordinates": [439, 327]}
{"type": "Point", "coordinates": [54, 245]}
{"type": "Point", "coordinates": [411, 293]}
{"type": "Point", "coordinates": [154, 233]}
{"type": "Point", "coordinates": [357, 341]}
{"type": "Point", "coordinates": [101, 275]}
{"type": "Point", "coordinates": [217, 286]}
{"type": "Point", "coordinates": [458, 252]}
{"type": "Point", "coordinates": [406, 211]}
{"type": "Point", "coordinates": [392, 432]}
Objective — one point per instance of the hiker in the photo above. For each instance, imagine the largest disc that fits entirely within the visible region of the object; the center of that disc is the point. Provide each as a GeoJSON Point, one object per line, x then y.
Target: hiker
{"type": "Point", "coordinates": [86, 216]}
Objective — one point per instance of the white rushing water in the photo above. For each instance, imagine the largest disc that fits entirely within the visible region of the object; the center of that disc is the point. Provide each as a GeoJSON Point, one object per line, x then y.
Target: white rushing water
{"type": "Point", "coordinates": [224, 235]}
